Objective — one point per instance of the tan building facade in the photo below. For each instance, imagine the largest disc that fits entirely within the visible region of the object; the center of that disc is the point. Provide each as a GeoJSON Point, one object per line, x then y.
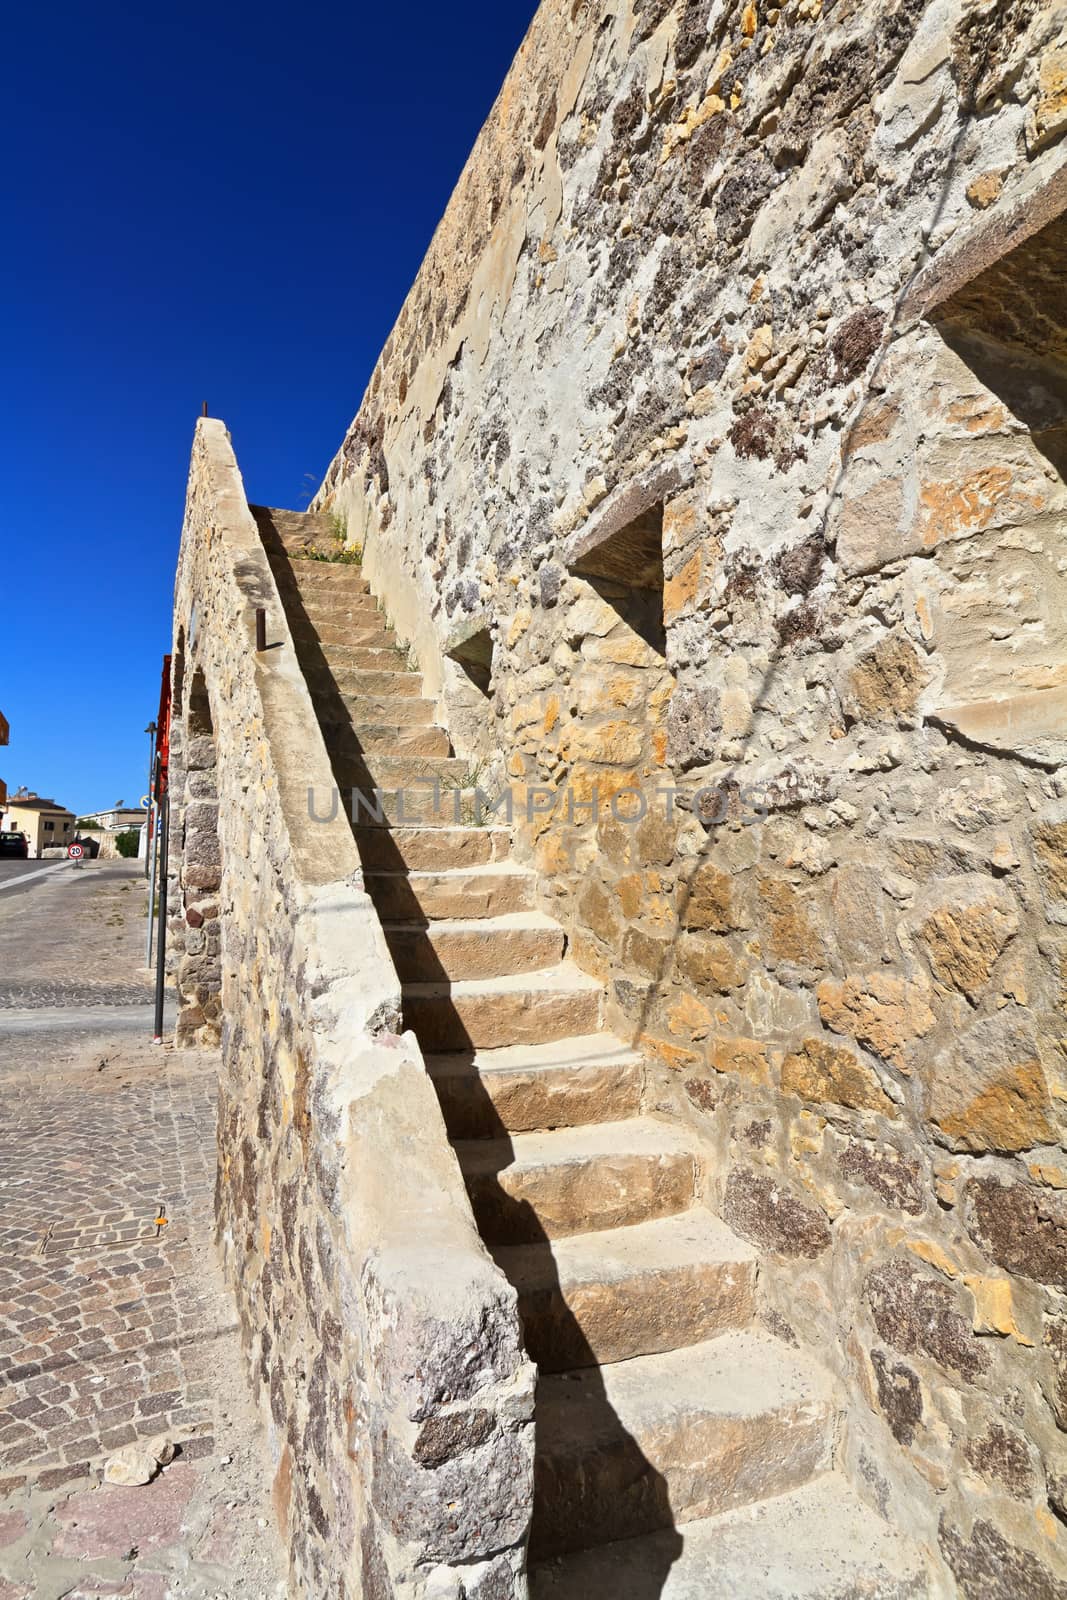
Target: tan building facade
{"type": "Point", "coordinates": [43, 821]}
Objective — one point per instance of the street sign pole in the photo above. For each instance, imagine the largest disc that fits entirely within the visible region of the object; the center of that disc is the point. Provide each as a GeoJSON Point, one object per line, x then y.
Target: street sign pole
{"type": "Point", "coordinates": [153, 824]}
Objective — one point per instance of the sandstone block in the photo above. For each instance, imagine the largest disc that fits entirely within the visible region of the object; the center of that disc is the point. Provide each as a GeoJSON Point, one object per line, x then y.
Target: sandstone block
{"type": "Point", "coordinates": [137, 1464]}
{"type": "Point", "coordinates": [858, 901]}
{"type": "Point", "coordinates": [987, 1090]}
{"type": "Point", "coordinates": [1029, 723]}
{"type": "Point", "coordinates": [709, 963]}
{"type": "Point", "coordinates": [710, 901]}
{"type": "Point", "coordinates": [1049, 842]}
{"type": "Point", "coordinates": [825, 1073]}
{"type": "Point", "coordinates": [694, 726]}
{"type": "Point", "coordinates": [596, 911]}
{"type": "Point", "coordinates": [747, 1058]}
{"type": "Point", "coordinates": [885, 682]}
{"type": "Point", "coordinates": [870, 528]}
{"type": "Point", "coordinates": [560, 1085]}
{"type": "Point", "coordinates": [545, 1186]}
{"type": "Point", "coordinates": [788, 932]}
{"type": "Point", "coordinates": [485, 1013]}
{"type": "Point", "coordinates": [1048, 115]}
{"type": "Point", "coordinates": [964, 925]}
{"type": "Point", "coordinates": [656, 1286]}
{"type": "Point", "coordinates": [646, 953]}
{"type": "Point", "coordinates": [882, 1012]}
{"type": "Point", "coordinates": [669, 1438]}
{"type": "Point", "coordinates": [688, 1017]}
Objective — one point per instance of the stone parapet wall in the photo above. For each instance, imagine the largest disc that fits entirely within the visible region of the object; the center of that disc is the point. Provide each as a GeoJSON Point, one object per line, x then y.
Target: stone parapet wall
{"type": "Point", "coordinates": [381, 1338]}
{"type": "Point", "coordinates": [777, 293]}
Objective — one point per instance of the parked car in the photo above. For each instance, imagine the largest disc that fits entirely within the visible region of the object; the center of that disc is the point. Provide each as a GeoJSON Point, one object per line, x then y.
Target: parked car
{"type": "Point", "coordinates": [14, 844]}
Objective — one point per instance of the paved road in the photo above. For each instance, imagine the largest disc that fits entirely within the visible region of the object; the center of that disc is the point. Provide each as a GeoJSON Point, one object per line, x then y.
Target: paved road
{"type": "Point", "coordinates": [73, 935]}
{"type": "Point", "coordinates": [18, 876]}
{"type": "Point", "coordinates": [115, 1325]}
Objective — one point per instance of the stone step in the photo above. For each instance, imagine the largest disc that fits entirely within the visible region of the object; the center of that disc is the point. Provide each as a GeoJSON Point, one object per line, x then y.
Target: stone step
{"type": "Point", "coordinates": [323, 578]}
{"type": "Point", "coordinates": [482, 891]}
{"type": "Point", "coordinates": [338, 657]}
{"type": "Point", "coordinates": [441, 849]}
{"type": "Point", "coordinates": [819, 1542]}
{"type": "Point", "coordinates": [413, 805]}
{"type": "Point", "coordinates": [595, 1298]}
{"type": "Point", "coordinates": [370, 710]}
{"type": "Point", "coordinates": [482, 1013]}
{"type": "Point", "coordinates": [567, 1083]}
{"type": "Point", "coordinates": [345, 741]}
{"type": "Point", "coordinates": [295, 530]}
{"type": "Point", "coordinates": [322, 605]}
{"type": "Point", "coordinates": [366, 658]}
{"type": "Point", "coordinates": [343, 632]}
{"type": "Point", "coordinates": [675, 1437]}
{"type": "Point", "coordinates": [326, 577]}
{"type": "Point", "coordinates": [396, 685]}
{"type": "Point", "coordinates": [537, 1186]}
{"type": "Point", "coordinates": [518, 941]}
{"type": "Point", "coordinates": [327, 583]}
{"type": "Point", "coordinates": [376, 770]}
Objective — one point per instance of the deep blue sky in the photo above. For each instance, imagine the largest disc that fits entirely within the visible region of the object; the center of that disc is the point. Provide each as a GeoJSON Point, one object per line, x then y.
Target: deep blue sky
{"type": "Point", "coordinates": [223, 203]}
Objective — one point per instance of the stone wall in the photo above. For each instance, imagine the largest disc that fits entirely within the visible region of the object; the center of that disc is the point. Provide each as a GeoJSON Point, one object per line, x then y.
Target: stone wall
{"type": "Point", "coordinates": [729, 410]}
{"type": "Point", "coordinates": [381, 1339]}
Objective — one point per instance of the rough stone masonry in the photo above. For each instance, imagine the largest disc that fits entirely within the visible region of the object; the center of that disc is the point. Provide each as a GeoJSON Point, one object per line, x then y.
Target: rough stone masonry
{"type": "Point", "coordinates": [724, 431]}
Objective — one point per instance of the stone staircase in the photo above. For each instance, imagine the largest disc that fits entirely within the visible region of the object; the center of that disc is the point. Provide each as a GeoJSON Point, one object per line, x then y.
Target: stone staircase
{"type": "Point", "coordinates": [680, 1450]}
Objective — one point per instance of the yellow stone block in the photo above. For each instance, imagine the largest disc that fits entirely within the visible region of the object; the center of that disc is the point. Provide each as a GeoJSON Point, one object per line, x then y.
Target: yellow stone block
{"type": "Point", "coordinates": [680, 591]}
{"type": "Point", "coordinates": [612, 743]}
{"type": "Point", "coordinates": [689, 1016]}
{"type": "Point", "coordinates": [994, 1311]}
{"type": "Point", "coordinates": [672, 1055]}
{"type": "Point", "coordinates": [519, 624]}
{"type": "Point", "coordinates": [933, 1255]}
{"type": "Point", "coordinates": [1052, 1175]}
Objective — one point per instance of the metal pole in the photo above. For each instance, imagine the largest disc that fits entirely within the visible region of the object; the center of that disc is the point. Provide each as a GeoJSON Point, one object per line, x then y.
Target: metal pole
{"type": "Point", "coordinates": [161, 938]}
{"type": "Point", "coordinates": [261, 629]}
{"type": "Point", "coordinates": [151, 732]}
{"type": "Point", "coordinates": [153, 823]}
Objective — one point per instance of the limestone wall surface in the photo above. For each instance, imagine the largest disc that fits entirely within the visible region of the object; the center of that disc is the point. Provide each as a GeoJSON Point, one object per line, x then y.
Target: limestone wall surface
{"type": "Point", "coordinates": [382, 1340]}
{"type": "Point", "coordinates": [728, 410]}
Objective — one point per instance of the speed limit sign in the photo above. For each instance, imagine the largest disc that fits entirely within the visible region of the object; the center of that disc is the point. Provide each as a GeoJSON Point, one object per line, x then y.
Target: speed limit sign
{"type": "Point", "coordinates": [75, 851]}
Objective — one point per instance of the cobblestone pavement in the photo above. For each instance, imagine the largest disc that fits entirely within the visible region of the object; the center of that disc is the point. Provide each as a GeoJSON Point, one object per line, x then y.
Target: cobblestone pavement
{"type": "Point", "coordinates": [114, 1321]}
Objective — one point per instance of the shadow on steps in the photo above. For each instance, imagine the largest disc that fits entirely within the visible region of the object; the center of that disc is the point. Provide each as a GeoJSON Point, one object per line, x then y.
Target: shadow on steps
{"type": "Point", "coordinates": [593, 1484]}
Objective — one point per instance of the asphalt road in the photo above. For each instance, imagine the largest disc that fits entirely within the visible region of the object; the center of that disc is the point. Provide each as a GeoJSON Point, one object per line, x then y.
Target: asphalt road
{"type": "Point", "coordinates": [16, 876]}
{"type": "Point", "coordinates": [73, 936]}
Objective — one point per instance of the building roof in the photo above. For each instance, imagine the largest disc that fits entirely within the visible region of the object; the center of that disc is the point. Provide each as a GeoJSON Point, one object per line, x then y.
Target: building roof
{"type": "Point", "coordinates": [35, 802]}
